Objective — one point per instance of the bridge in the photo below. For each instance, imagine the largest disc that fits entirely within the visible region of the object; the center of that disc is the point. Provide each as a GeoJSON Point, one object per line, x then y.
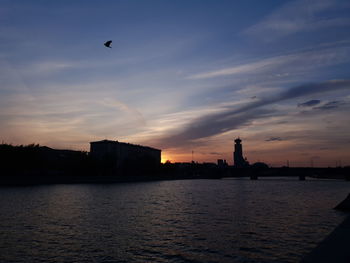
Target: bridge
{"type": "Point", "coordinates": [299, 172]}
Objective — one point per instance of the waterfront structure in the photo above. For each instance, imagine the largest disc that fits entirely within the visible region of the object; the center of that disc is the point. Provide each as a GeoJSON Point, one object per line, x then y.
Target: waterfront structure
{"type": "Point", "coordinates": [222, 163]}
{"type": "Point", "coordinates": [238, 159]}
{"type": "Point", "coordinates": [121, 155]}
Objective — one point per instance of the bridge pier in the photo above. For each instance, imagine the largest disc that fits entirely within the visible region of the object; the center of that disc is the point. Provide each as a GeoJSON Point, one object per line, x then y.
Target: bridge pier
{"type": "Point", "coordinates": [253, 177]}
{"type": "Point", "coordinates": [301, 177]}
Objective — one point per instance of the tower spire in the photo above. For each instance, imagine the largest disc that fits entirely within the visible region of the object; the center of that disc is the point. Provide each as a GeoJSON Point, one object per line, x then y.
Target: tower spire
{"type": "Point", "coordinates": [238, 159]}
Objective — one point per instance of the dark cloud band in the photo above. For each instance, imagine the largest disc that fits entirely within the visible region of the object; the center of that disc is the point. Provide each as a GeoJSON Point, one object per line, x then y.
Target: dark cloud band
{"type": "Point", "coordinates": [232, 118]}
{"type": "Point", "coordinates": [309, 103]}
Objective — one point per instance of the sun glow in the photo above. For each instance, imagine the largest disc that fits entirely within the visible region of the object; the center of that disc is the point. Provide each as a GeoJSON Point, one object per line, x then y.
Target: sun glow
{"type": "Point", "coordinates": [165, 158]}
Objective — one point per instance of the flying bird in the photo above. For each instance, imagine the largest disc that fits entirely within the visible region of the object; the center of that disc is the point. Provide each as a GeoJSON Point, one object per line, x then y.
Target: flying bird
{"type": "Point", "coordinates": [108, 43]}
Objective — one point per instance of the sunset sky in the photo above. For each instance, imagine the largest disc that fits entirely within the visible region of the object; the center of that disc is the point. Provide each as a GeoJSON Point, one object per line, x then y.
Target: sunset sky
{"type": "Point", "coordinates": [181, 76]}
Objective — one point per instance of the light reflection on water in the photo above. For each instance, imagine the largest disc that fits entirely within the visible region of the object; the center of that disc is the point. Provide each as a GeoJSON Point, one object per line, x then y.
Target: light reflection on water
{"type": "Point", "coordinates": [269, 220]}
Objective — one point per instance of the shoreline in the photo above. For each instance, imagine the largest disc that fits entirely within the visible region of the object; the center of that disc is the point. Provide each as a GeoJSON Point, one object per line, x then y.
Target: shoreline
{"type": "Point", "coordinates": [334, 248]}
{"type": "Point", "coordinates": [46, 179]}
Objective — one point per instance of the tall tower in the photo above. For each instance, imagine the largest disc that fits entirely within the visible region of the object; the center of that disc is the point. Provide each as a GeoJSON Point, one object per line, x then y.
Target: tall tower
{"type": "Point", "coordinates": [238, 159]}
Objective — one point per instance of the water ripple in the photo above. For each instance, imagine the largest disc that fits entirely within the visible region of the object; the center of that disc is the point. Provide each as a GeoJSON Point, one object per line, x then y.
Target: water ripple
{"type": "Point", "coordinates": [168, 221]}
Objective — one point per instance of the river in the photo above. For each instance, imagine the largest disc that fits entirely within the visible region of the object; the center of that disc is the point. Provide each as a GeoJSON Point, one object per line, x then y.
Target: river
{"type": "Point", "coordinates": [230, 220]}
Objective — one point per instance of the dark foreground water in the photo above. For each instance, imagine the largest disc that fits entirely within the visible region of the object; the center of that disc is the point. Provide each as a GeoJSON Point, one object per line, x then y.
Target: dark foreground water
{"type": "Point", "coordinates": [268, 220]}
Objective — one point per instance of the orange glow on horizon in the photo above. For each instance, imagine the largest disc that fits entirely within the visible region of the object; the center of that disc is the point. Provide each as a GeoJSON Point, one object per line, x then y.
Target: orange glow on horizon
{"type": "Point", "coordinates": [165, 158]}
{"type": "Point", "coordinates": [174, 157]}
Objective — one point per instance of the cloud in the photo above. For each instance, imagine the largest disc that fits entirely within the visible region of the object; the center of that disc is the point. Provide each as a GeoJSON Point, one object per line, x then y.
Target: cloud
{"type": "Point", "coordinates": [315, 157]}
{"type": "Point", "coordinates": [330, 105]}
{"type": "Point", "coordinates": [135, 114]}
{"type": "Point", "coordinates": [274, 139]}
{"type": "Point", "coordinates": [240, 69]}
{"type": "Point", "coordinates": [231, 118]}
{"type": "Point", "coordinates": [283, 65]}
{"type": "Point", "coordinates": [309, 103]}
{"type": "Point", "coordinates": [299, 16]}
{"type": "Point", "coordinates": [316, 88]}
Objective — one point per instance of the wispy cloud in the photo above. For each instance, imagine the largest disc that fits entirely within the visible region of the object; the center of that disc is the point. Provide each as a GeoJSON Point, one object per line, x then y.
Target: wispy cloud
{"type": "Point", "coordinates": [299, 16]}
{"type": "Point", "coordinates": [234, 117]}
{"type": "Point", "coordinates": [309, 103]}
{"type": "Point", "coordinates": [272, 139]}
{"type": "Point", "coordinates": [132, 112]}
{"type": "Point", "coordinates": [295, 62]}
{"type": "Point", "coordinates": [330, 105]}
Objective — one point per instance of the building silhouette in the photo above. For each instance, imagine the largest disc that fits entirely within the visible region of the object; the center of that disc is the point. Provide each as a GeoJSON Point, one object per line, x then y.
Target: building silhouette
{"type": "Point", "coordinates": [123, 156]}
{"type": "Point", "coordinates": [238, 159]}
{"type": "Point", "coordinates": [222, 163]}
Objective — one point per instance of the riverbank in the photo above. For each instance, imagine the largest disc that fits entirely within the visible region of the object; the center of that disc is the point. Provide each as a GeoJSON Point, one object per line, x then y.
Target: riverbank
{"type": "Point", "coordinates": [86, 177]}
{"type": "Point", "coordinates": [334, 248]}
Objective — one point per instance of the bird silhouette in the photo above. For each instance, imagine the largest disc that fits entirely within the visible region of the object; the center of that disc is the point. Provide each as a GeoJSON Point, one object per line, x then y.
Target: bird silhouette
{"type": "Point", "coordinates": [108, 43]}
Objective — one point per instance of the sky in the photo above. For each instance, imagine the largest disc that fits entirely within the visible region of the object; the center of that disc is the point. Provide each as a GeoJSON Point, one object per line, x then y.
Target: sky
{"type": "Point", "coordinates": [181, 76]}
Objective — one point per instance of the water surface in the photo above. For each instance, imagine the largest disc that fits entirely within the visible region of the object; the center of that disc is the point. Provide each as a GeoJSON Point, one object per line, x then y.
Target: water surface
{"type": "Point", "coordinates": [238, 220]}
